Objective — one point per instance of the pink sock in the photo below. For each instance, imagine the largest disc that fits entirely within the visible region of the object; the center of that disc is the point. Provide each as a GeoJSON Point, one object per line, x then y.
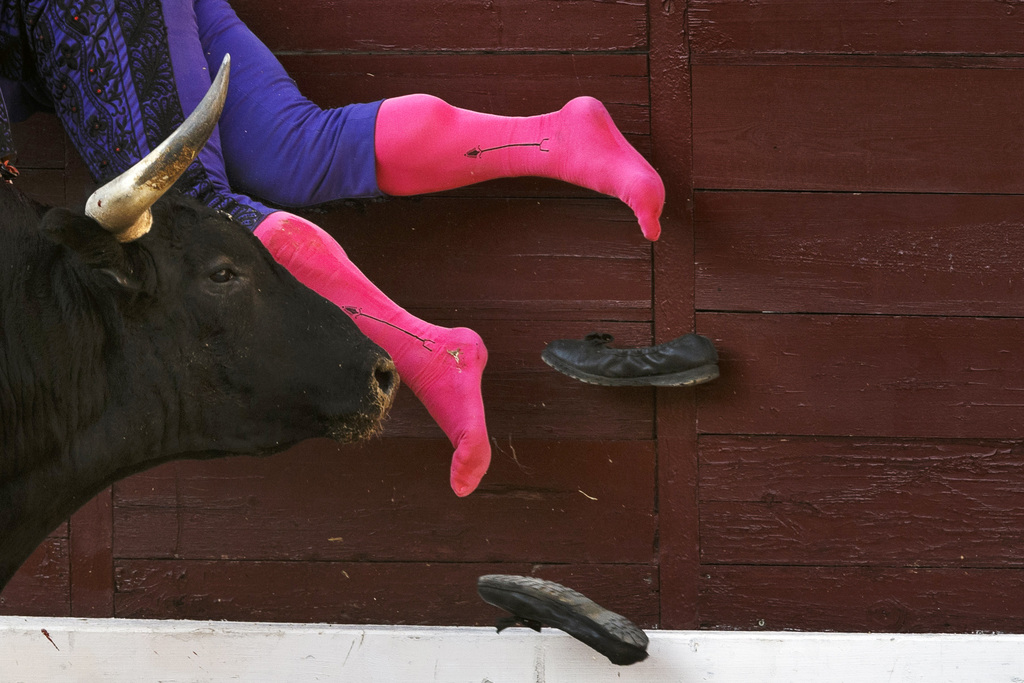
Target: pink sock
{"type": "Point", "coordinates": [442, 366]}
{"type": "Point", "coordinates": [424, 144]}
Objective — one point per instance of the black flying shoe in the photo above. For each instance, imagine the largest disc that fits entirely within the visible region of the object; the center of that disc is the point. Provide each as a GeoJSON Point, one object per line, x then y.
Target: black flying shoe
{"type": "Point", "coordinates": [685, 361]}
{"type": "Point", "coordinates": [535, 603]}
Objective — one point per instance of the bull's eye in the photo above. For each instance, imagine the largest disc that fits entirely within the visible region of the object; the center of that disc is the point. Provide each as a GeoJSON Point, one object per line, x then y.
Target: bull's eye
{"type": "Point", "coordinates": [222, 275]}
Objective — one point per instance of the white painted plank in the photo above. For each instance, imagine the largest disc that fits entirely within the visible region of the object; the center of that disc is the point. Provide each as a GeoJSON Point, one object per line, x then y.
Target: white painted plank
{"type": "Point", "coordinates": [129, 651]}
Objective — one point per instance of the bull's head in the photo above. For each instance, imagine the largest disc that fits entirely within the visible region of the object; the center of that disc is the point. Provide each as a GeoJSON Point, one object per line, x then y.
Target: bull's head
{"type": "Point", "coordinates": [123, 205]}
{"type": "Point", "coordinates": [177, 336]}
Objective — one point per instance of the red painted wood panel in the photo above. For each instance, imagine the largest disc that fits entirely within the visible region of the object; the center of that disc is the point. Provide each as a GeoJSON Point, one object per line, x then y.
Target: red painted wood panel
{"type": "Point", "coordinates": [769, 27]}
{"type": "Point", "coordinates": [860, 527]}
{"type": "Point", "coordinates": [359, 593]}
{"type": "Point", "coordinates": [864, 375]}
{"type": "Point", "coordinates": [500, 25]}
{"type": "Point", "coordinates": [92, 561]}
{"type": "Point", "coordinates": [40, 142]}
{"type": "Point", "coordinates": [507, 84]}
{"type": "Point", "coordinates": [673, 315]}
{"type": "Point", "coordinates": [42, 585]}
{"type": "Point", "coordinates": [858, 129]}
{"type": "Point", "coordinates": [43, 185]}
{"type": "Point", "coordinates": [876, 599]}
{"type": "Point", "coordinates": [860, 253]}
{"type": "Point", "coordinates": [520, 259]}
{"type": "Point", "coordinates": [77, 182]}
{"type": "Point", "coordinates": [803, 501]}
{"type": "Point", "coordinates": [541, 502]}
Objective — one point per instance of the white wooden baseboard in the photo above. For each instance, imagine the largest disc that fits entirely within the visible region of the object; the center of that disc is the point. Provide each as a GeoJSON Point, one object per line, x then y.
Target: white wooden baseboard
{"type": "Point", "coordinates": [133, 651]}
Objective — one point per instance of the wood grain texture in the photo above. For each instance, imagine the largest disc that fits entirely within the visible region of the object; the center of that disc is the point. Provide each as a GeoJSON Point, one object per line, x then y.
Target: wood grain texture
{"type": "Point", "coordinates": [92, 573]}
{"type": "Point", "coordinates": [864, 375]}
{"type": "Point", "coordinates": [40, 142]}
{"type": "Point", "coordinates": [506, 84]}
{"type": "Point", "coordinates": [842, 502]}
{"type": "Point", "coordinates": [541, 501]}
{"type": "Point", "coordinates": [762, 29]}
{"type": "Point", "coordinates": [522, 259]}
{"type": "Point", "coordinates": [860, 253]}
{"type": "Point", "coordinates": [857, 464]}
{"type": "Point", "coordinates": [42, 585]}
{"type": "Point", "coordinates": [873, 599]}
{"type": "Point", "coordinates": [360, 593]}
{"type": "Point", "coordinates": [450, 25]}
{"type": "Point", "coordinates": [673, 314]}
{"type": "Point", "coordinates": [45, 186]}
{"type": "Point", "coordinates": [858, 129]}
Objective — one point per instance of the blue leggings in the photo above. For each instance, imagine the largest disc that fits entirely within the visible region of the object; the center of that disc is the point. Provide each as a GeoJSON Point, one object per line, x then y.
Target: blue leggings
{"type": "Point", "coordinates": [122, 79]}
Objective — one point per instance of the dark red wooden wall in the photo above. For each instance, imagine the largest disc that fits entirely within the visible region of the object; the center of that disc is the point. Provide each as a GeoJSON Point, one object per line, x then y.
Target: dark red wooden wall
{"type": "Point", "coordinates": [845, 220]}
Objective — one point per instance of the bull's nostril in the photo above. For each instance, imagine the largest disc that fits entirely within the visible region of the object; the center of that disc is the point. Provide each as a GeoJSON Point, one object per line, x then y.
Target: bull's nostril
{"type": "Point", "coordinates": [385, 376]}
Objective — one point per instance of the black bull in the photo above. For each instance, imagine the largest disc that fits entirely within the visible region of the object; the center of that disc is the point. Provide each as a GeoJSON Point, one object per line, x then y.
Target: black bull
{"type": "Point", "coordinates": [189, 342]}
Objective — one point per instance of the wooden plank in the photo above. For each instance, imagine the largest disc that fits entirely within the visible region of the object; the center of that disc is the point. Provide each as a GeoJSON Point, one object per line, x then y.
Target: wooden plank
{"type": "Point", "coordinates": [862, 599]}
{"type": "Point", "coordinates": [572, 502]}
{"type": "Point", "coordinates": [42, 585]}
{"type": "Point", "coordinates": [506, 84]}
{"type": "Point", "coordinates": [358, 593]}
{"type": "Point", "coordinates": [801, 501]}
{"type": "Point", "coordinates": [521, 259]}
{"type": "Point", "coordinates": [79, 183]}
{"type": "Point", "coordinates": [40, 142]}
{"type": "Point", "coordinates": [769, 27]}
{"type": "Point", "coordinates": [843, 253]}
{"type": "Point", "coordinates": [501, 25]}
{"type": "Point", "coordinates": [43, 185]}
{"type": "Point", "coordinates": [873, 61]}
{"type": "Point", "coordinates": [126, 651]}
{"type": "Point", "coordinates": [92, 561]}
{"type": "Point", "coordinates": [860, 129]}
{"type": "Point", "coordinates": [864, 376]}
{"type": "Point", "coordinates": [673, 309]}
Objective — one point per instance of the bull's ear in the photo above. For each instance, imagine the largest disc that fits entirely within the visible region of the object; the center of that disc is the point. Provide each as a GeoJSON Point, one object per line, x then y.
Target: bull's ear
{"type": "Point", "coordinates": [95, 247]}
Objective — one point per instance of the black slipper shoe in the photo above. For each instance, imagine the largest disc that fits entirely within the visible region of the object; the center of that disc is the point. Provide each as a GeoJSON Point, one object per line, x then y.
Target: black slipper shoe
{"type": "Point", "coordinates": [535, 603]}
{"type": "Point", "coordinates": [684, 361]}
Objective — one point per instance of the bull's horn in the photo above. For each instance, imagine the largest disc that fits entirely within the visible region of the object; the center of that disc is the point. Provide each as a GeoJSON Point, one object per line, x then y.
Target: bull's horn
{"type": "Point", "coordinates": [122, 205]}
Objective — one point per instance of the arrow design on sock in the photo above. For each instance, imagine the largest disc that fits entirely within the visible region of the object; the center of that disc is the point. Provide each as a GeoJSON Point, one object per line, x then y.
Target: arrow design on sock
{"type": "Point", "coordinates": [476, 152]}
{"type": "Point", "coordinates": [353, 311]}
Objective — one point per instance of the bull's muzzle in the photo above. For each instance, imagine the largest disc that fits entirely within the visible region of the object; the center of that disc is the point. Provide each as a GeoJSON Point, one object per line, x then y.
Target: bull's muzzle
{"type": "Point", "coordinates": [383, 382]}
{"type": "Point", "coordinates": [122, 205]}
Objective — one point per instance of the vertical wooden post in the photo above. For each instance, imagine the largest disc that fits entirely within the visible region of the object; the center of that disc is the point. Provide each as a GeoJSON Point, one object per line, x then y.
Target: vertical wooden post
{"type": "Point", "coordinates": [92, 558]}
{"type": "Point", "coordinates": [673, 311]}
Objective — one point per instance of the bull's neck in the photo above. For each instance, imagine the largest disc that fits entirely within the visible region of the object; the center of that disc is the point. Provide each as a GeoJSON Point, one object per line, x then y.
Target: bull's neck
{"type": "Point", "coordinates": [62, 405]}
{"type": "Point", "coordinates": [31, 507]}
{"type": "Point", "coordinates": [67, 474]}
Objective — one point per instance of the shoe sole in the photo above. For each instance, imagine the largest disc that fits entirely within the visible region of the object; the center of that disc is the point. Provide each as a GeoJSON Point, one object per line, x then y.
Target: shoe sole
{"type": "Point", "coordinates": [552, 604]}
{"type": "Point", "coordinates": [686, 378]}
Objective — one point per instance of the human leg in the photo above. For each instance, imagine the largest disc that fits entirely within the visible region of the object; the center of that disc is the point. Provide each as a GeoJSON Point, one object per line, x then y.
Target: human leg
{"type": "Point", "coordinates": [283, 148]}
{"type": "Point", "coordinates": [278, 145]}
{"type": "Point", "coordinates": [424, 144]}
{"type": "Point", "coordinates": [442, 366]}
